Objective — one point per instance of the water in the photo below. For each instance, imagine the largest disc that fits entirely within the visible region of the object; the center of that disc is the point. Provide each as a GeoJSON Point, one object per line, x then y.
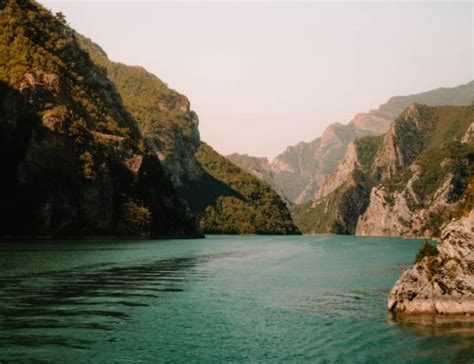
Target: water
{"type": "Point", "coordinates": [223, 299]}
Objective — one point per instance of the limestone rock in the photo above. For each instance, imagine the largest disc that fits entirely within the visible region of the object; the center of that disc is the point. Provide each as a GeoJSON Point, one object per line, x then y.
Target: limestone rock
{"type": "Point", "coordinates": [340, 174]}
{"type": "Point", "coordinates": [442, 284]}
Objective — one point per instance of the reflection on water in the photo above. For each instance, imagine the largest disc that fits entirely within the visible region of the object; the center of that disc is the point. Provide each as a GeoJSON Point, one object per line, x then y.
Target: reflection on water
{"type": "Point", "coordinates": [87, 298]}
{"type": "Point", "coordinates": [435, 325]}
{"type": "Point", "coordinates": [458, 330]}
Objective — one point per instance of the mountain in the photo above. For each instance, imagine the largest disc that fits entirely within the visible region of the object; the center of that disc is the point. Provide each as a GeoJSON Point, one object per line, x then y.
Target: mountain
{"type": "Point", "coordinates": [258, 167]}
{"type": "Point", "coordinates": [74, 160]}
{"type": "Point", "coordinates": [225, 198]}
{"type": "Point", "coordinates": [299, 171]}
{"type": "Point", "coordinates": [408, 182]}
{"type": "Point", "coordinates": [249, 206]}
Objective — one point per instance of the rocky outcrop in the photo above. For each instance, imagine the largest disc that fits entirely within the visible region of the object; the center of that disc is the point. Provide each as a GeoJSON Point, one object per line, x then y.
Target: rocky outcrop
{"type": "Point", "coordinates": [469, 135]}
{"type": "Point", "coordinates": [413, 199]}
{"type": "Point", "coordinates": [404, 140]}
{"type": "Point", "coordinates": [373, 123]}
{"type": "Point", "coordinates": [442, 283]}
{"type": "Point", "coordinates": [340, 174]}
{"type": "Point", "coordinates": [395, 213]}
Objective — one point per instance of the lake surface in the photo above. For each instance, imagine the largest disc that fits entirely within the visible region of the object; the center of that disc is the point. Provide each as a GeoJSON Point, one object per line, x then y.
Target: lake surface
{"type": "Point", "coordinates": [318, 299]}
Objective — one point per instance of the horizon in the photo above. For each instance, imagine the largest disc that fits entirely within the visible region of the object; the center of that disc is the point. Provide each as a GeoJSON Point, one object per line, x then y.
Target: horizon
{"type": "Point", "coordinates": [263, 74]}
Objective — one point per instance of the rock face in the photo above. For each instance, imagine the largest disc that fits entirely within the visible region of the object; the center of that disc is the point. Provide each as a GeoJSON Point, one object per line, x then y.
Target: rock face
{"type": "Point", "coordinates": [407, 182]}
{"type": "Point", "coordinates": [443, 283]}
{"type": "Point", "coordinates": [340, 175]}
{"type": "Point", "coordinates": [419, 188]}
{"type": "Point", "coordinates": [258, 167]}
{"type": "Point", "coordinates": [344, 195]}
{"type": "Point", "coordinates": [299, 171]}
{"type": "Point", "coordinates": [164, 116]}
{"type": "Point", "coordinates": [74, 161]}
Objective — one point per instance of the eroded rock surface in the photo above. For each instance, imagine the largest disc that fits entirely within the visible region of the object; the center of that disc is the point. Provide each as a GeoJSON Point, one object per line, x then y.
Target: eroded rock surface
{"type": "Point", "coordinates": [443, 283]}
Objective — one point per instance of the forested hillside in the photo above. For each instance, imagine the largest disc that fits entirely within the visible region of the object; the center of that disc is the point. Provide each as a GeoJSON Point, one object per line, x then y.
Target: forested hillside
{"type": "Point", "coordinates": [75, 163]}
{"type": "Point", "coordinates": [226, 199]}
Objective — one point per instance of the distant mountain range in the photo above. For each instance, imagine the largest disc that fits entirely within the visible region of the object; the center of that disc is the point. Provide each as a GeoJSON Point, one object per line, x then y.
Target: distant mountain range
{"type": "Point", "coordinates": [299, 171]}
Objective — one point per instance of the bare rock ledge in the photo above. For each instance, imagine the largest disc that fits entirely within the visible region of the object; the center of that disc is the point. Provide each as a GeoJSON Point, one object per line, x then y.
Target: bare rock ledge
{"type": "Point", "coordinates": [444, 283]}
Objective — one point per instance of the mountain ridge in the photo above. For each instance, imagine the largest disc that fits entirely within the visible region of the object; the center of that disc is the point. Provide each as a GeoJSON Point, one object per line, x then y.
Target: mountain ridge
{"type": "Point", "coordinates": [299, 171]}
{"type": "Point", "coordinates": [170, 129]}
{"type": "Point", "coordinates": [392, 184]}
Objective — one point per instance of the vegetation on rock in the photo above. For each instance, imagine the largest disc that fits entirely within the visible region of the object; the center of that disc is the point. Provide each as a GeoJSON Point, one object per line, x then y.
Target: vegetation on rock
{"type": "Point", "coordinates": [226, 199]}
{"type": "Point", "coordinates": [424, 162]}
{"type": "Point", "coordinates": [74, 156]}
{"type": "Point", "coordinates": [426, 250]}
{"type": "Point", "coordinates": [250, 207]}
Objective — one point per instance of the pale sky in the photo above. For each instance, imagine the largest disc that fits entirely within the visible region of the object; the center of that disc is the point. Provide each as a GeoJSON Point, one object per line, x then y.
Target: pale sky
{"type": "Point", "coordinates": [265, 75]}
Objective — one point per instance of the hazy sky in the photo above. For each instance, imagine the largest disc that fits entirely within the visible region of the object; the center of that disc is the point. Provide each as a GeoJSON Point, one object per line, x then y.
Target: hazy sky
{"type": "Point", "coordinates": [262, 76]}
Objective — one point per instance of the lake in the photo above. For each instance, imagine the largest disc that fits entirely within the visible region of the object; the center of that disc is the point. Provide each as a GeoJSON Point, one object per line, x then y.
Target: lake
{"type": "Point", "coordinates": [319, 299]}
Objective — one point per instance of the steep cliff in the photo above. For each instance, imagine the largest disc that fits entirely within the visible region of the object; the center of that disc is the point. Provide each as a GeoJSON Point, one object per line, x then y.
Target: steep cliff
{"type": "Point", "coordinates": [164, 116]}
{"type": "Point", "coordinates": [75, 163]}
{"type": "Point", "coordinates": [344, 194]}
{"type": "Point", "coordinates": [170, 129]}
{"type": "Point", "coordinates": [406, 183]}
{"type": "Point", "coordinates": [300, 170]}
{"type": "Point", "coordinates": [443, 280]}
{"type": "Point", "coordinates": [426, 170]}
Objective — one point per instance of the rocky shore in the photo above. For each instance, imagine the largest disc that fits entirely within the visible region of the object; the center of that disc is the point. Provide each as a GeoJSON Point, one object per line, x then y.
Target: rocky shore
{"type": "Point", "coordinates": [442, 283]}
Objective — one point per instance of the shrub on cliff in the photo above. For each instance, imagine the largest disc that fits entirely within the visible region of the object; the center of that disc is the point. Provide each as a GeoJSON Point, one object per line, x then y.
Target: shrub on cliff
{"type": "Point", "coordinates": [426, 250]}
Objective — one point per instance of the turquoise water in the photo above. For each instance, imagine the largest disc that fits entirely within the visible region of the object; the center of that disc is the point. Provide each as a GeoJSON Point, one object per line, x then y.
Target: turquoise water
{"type": "Point", "coordinates": [318, 299]}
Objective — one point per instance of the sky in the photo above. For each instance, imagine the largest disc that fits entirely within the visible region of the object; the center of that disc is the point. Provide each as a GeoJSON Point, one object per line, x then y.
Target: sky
{"type": "Point", "coordinates": [266, 75]}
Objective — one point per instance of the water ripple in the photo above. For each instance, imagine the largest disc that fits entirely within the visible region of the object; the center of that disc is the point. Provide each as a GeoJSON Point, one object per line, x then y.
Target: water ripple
{"type": "Point", "coordinates": [91, 297]}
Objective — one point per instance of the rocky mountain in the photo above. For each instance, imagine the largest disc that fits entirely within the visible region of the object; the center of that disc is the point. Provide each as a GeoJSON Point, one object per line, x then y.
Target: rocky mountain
{"type": "Point", "coordinates": [225, 198]}
{"type": "Point", "coordinates": [299, 171]}
{"type": "Point", "coordinates": [74, 160]}
{"type": "Point", "coordinates": [344, 194]}
{"type": "Point", "coordinates": [408, 182]}
{"type": "Point", "coordinates": [442, 278]}
{"type": "Point", "coordinates": [258, 167]}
